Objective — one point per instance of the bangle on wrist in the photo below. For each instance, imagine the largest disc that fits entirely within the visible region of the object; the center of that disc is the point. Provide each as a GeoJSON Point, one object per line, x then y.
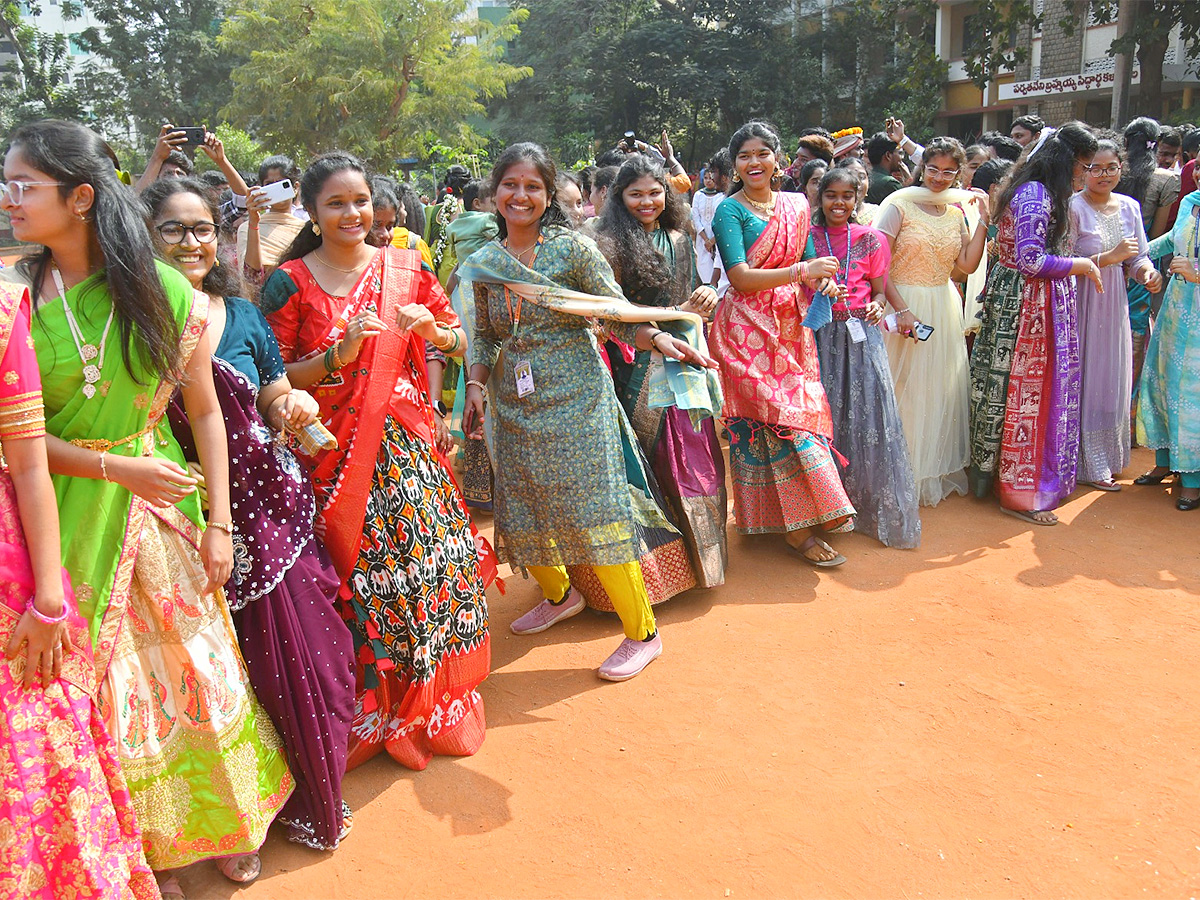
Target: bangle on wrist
{"type": "Point", "coordinates": [337, 356]}
{"type": "Point", "coordinates": [45, 619]}
{"type": "Point", "coordinates": [226, 527]}
{"type": "Point", "coordinates": [329, 366]}
{"type": "Point", "coordinates": [103, 467]}
{"type": "Point", "coordinates": [471, 382]}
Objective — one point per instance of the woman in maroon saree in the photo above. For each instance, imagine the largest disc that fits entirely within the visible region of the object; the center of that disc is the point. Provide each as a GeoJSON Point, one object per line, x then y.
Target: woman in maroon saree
{"type": "Point", "coordinates": [352, 322]}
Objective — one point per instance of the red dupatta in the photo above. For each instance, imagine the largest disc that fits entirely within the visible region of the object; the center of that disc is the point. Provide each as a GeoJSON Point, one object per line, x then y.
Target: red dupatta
{"type": "Point", "coordinates": [387, 378]}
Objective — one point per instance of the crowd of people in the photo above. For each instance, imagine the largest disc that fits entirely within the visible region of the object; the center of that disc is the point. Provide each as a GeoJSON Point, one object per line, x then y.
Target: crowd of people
{"type": "Point", "coordinates": [237, 510]}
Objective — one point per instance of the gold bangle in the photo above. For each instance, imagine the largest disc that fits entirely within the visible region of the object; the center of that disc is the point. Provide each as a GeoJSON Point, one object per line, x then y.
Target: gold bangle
{"type": "Point", "coordinates": [478, 384]}
{"type": "Point", "coordinates": [226, 527]}
{"type": "Point", "coordinates": [337, 357]}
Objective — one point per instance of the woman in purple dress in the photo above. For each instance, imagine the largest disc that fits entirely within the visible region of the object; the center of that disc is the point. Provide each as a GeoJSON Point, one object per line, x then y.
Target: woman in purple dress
{"type": "Point", "coordinates": [1108, 229]}
{"type": "Point", "coordinates": [298, 651]}
{"type": "Point", "coordinates": [1039, 443]}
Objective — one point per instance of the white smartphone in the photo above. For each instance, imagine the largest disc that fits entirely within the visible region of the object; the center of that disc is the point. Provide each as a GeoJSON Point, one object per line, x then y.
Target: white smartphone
{"type": "Point", "coordinates": [278, 192]}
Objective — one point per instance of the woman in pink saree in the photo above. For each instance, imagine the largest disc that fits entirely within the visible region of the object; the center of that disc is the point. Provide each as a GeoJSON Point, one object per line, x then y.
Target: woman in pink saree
{"type": "Point", "coordinates": [784, 476]}
{"type": "Point", "coordinates": [67, 827]}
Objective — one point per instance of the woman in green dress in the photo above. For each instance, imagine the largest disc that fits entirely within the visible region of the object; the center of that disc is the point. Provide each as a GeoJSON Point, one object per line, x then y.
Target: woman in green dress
{"type": "Point", "coordinates": [116, 332]}
{"type": "Point", "coordinates": [568, 491]}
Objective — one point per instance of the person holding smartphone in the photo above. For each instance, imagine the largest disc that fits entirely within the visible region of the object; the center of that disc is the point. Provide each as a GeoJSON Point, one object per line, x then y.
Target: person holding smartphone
{"type": "Point", "coordinates": [930, 241]}
{"type": "Point", "coordinates": [271, 225]}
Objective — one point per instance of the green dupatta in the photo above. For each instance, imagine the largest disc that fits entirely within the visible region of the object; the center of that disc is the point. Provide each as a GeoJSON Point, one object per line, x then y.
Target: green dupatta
{"type": "Point", "coordinates": [101, 522]}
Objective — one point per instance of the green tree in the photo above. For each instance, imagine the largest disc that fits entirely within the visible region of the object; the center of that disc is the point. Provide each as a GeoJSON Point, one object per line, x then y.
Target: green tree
{"type": "Point", "coordinates": [1149, 37]}
{"type": "Point", "coordinates": [162, 60]}
{"type": "Point", "coordinates": [38, 84]}
{"type": "Point", "coordinates": [240, 149]}
{"type": "Point", "coordinates": [403, 76]}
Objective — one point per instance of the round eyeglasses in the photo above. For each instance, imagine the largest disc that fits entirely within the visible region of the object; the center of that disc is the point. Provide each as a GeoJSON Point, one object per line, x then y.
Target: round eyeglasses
{"type": "Point", "coordinates": [14, 191]}
{"type": "Point", "coordinates": [932, 172]}
{"type": "Point", "coordinates": [1110, 169]}
{"type": "Point", "coordinates": [173, 232]}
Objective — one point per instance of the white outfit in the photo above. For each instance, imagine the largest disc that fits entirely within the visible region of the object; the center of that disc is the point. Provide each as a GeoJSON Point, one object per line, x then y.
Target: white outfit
{"type": "Point", "coordinates": [704, 207]}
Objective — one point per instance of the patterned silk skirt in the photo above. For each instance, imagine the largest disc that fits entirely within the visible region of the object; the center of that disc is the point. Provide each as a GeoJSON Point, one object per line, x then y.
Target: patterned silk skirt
{"type": "Point", "coordinates": [205, 767]}
{"type": "Point", "coordinates": [784, 479]}
{"type": "Point", "coordinates": [991, 363]}
{"type": "Point", "coordinates": [416, 606]}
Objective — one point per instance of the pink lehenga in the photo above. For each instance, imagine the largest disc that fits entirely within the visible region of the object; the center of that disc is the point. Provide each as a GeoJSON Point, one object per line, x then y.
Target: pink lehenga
{"type": "Point", "coordinates": [67, 826]}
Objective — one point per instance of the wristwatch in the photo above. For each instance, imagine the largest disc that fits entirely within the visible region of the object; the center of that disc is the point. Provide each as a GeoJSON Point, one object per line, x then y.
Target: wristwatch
{"type": "Point", "coordinates": [441, 408]}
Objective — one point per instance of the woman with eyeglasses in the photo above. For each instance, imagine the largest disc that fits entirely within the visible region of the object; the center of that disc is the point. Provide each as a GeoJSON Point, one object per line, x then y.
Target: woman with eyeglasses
{"type": "Point", "coordinates": [1107, 228]}
{"type": "Point", "coordinates": [117, 333]}
{"type": "Point", "coordinates": [930, 242]}
{"type": "Point", "coordinates": [298, 651]}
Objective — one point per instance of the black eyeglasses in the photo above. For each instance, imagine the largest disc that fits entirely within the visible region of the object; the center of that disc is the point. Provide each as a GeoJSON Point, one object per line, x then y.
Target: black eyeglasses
{"type": "Point", "coordinates": [174, 232]}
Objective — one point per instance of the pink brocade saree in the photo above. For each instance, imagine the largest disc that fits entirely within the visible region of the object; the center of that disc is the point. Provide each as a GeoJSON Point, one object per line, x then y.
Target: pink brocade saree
{"type": "Point", "coordinates": [769, 368]}
{"type": "Point", "coordinates": [67, 826]}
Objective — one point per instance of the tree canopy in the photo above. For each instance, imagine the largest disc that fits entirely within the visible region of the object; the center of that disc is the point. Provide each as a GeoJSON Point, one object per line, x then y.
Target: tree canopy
{"type": "Point", "coordinates": [405, 74]}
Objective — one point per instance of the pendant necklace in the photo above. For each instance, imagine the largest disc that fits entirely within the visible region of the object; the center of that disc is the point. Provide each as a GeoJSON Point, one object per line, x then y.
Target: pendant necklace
{"type": "Point", "coordinates": [91, 355]}
{"type": "Point", "coordinates": [766, 208]}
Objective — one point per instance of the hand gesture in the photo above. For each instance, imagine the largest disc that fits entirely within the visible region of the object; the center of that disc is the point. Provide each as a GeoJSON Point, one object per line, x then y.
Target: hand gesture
{"type": "Point", "coordinates": [822, 267]}
{"type": "Point", "coordinates": [161, 482]}
{"type": "Point", "coordinates": [417, 318]}
{"type": "Point", "coordinates": [1183, 267]}
{"type": "Point", "coordinates": [1127, 249]}
{"type": "Point", "coordinates": [45, 645]}
{"type": "Point", "coordinates": [831, 289]}
{"type": "Point", "coordinates": [702, 302]}
{"type": "Point", "coordinates": [664, 146]}
{"type": "Point", "coordinates": [358, 329]}
{"type": "Point", "coordinates": [1092, 272]}
{"type": "Point", "coordinates": [983, 204]}
{"type": "Point", "coordinates": [473, 411]}
{"type": "Point", "coordinates": [168, 139]}
{"type": "Point", "coordinates": [296, 409]}
{"type": "Point", "coordinates": [673, 348]}
{"type": "Point", "coordinates": [213, 148]}
{"type": "Point", "coordinates": [257, 203]}
{"type": "Point", "coordinates": [1153, 281]}
{"type": "Point", "coordinates": [216, 552]}
{"type": "Point", "coordinates": [894, 128]}
{"type": "Point", "coordinates": [874, 312]}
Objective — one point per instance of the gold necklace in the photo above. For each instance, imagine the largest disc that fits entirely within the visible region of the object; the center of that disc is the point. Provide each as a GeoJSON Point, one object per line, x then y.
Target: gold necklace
{"type": "Point", "coordinates": [329, 265]}
{"type": "Point", "coordinates": [532, 246]}
{"type": "Point", "coordinates": [766, 208]}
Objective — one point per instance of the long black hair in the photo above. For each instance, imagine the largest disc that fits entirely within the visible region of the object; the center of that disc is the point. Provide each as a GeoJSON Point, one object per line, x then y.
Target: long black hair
{"type": "Point", "coordinates": [640, 266]}
{"type": "Point", "coordinates": [414, 212]}
{"type": "Point", "coordinates": [70, 153]}
{"type": "Point", "coordinates": [1141, 141]}
{"type": "Point", "coordinates": [223, 281]}
{"type": "Point", "coordinates": [321, 170]}
{"type": "Point", "coordinates": [547, 171]}
{"type": "Point", "coordinates": [765, 133]}
{"type": "Point", "coordinates": [1053, 165]}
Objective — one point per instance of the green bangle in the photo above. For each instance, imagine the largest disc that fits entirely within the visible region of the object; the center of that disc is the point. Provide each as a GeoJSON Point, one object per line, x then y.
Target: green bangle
{"type": "Point", "coordinates": [329, 366]}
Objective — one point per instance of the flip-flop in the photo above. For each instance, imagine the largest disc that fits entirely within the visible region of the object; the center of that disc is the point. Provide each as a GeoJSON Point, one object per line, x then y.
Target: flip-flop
{"type": "Point", "coordinates": [228, 866]}
{"type": "Point", "coordinates": [171, 889]}
{"type": "Point", "coordinates": [1102, 485]}
{"type": "Point", "coordinates": [819, 563]}
{"type": "Point", "coordinates": [1027, 516]}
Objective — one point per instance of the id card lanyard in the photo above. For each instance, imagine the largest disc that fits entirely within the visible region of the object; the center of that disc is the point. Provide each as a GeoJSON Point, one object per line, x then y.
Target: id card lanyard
{"type": "Point", "coordinates": [853, 325]}
{"type": "Point", "coordinates": [522, 369]}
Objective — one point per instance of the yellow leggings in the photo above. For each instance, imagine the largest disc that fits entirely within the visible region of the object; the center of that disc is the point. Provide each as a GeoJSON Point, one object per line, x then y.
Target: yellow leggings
{"type": "Point", "coordinates": [624, 585]}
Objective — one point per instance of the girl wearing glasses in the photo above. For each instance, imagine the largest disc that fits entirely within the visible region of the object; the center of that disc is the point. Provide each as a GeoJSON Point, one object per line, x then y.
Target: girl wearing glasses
{"type": "Point", "coordinates": [116, 335]}
{"type": "Point", "coordinates": [1108, 229]}
{"type": "Point", "coordinates": [930, 241]}
{"type": "Point", "coordinates": [298, 651]}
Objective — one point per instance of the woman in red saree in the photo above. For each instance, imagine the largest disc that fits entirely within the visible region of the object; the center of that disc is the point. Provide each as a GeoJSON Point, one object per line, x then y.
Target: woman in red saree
{"type": "Point", "coordinates": [784, 476]}
{"type": "Point", "coordinates": [352, 322]}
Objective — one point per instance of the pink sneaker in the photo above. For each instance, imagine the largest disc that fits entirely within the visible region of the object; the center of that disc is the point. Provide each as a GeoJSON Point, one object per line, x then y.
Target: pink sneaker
{"type": "Point", "coordinates": [546, 614]}
{"type": "Point", "coordinates": [630, 658]}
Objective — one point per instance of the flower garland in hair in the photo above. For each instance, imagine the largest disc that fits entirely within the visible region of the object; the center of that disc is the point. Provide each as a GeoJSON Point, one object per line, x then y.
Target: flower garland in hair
{"type": "Point", "coordinates": [854, 131]}
{"type": "Point", "coordinates": [445, 215]}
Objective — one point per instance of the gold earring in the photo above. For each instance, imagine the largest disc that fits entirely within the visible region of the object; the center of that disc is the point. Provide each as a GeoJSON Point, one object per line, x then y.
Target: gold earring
{"type": "Point", "coordinates": [316, 229]}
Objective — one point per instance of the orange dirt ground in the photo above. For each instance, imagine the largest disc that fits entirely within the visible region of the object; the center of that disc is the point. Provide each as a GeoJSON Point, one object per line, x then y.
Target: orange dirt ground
{"type": "Point", "coordinates": [1008, 711]}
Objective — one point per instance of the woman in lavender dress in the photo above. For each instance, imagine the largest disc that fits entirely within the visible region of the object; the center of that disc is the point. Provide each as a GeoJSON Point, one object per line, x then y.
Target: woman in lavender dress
{"type": "Point", "coordinates": [298, 651]}
{"type": "Point", "coordinates": [1108, 228]}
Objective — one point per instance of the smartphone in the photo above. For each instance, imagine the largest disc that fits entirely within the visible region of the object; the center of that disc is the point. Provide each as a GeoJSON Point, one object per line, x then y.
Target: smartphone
{"type": "Point", "coordinates": [278, 191]}
{"type": "Point", "coordinates": [630, 141]}
{"type": "Point", "coordinates": [194, 134]}
{"type": "Point", "coordinates": [922, 332]}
